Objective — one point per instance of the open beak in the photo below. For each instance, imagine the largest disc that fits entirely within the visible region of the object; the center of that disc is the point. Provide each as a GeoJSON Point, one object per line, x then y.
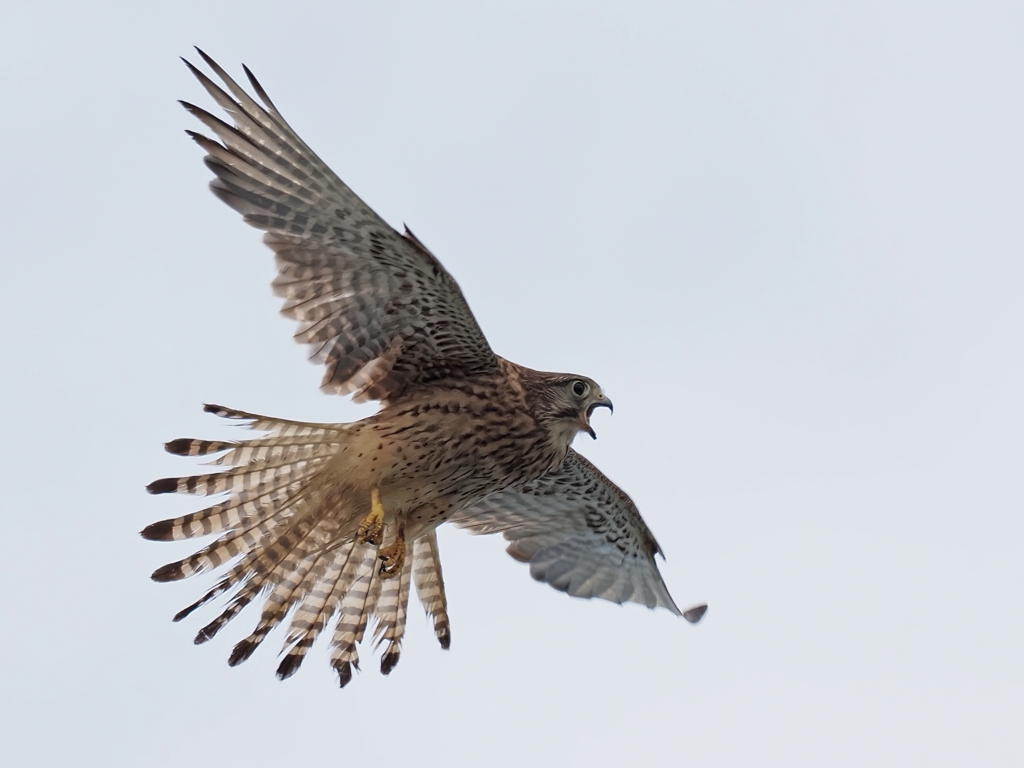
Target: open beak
{"type": "Point", "coordinates": [603, 402]}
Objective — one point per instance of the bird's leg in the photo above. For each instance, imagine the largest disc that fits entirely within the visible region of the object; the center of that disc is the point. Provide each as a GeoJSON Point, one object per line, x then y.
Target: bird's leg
{"type": "Point", "coordinates": [371, 529]}
{"type": "Point", "coordinates": [392, 557]}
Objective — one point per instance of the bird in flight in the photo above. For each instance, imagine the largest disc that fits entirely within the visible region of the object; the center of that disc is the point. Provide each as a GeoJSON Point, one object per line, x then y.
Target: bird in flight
{"type": "Point", "coordinates": [331, 524]}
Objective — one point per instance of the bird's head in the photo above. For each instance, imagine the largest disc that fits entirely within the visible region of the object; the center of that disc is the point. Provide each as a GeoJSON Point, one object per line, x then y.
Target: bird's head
{"type": "Point", "coordinates": [566, 402]}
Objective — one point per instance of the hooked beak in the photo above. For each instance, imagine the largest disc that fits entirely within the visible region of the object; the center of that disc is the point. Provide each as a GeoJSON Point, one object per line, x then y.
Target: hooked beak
{"type": "Point", "coordinates": [603, 402]}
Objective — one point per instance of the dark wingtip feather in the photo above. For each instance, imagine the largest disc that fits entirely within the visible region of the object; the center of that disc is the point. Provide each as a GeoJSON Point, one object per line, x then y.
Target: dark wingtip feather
{"type": "Point", "coordinates": [289, 665]}
{"type": "Point", "coordinates": [258, 88]}
{"type": "Point", "coordinates": [196, 73]}
{"type": "Point", "coordinates": [344, 671]}
{"type": "Point", "coordinates": [444, 637]}
{"type": "Point", "coordinates": [206, 58]}
{"type": "Point", "coordinates": [161, 531]}
{"type": "Point", "coordinates": [695, 614]}
{"type": "Point", "coordinates": [242, 651]}
{"type": "Point", "coordinates": [200, 139]}
{"type": "Point", "coordinates": [163, 485]}
{"type": "Point", "coordinates": [169, 572]}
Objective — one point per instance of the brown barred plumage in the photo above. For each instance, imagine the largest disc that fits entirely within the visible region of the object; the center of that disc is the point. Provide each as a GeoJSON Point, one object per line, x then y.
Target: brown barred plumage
{"type": "Point", "coordinates": [335, 522]}
{"type": "Point", "coordinates": [426, 572]}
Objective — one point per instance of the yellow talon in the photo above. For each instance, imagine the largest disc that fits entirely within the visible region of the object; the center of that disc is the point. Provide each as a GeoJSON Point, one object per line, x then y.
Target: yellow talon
{"type": "Point", "coordinates": [392, 558]}
{"type": "Point", "coordinates": [371, 530]}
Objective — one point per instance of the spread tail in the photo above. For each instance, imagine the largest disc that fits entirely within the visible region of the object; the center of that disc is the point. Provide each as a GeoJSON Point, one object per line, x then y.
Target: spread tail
{"type": "Point", "coordinates": [287, 540]}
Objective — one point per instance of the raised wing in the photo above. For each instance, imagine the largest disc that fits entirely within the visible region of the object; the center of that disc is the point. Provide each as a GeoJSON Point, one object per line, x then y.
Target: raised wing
{"type": "Point", "coordinates": [382, 313]}
{"type": "Point", "coordinates": [580, 533]}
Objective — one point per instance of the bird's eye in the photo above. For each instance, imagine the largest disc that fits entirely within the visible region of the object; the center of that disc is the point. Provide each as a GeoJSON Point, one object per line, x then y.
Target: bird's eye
{"type": "Point", "coordinates": [580, 388]}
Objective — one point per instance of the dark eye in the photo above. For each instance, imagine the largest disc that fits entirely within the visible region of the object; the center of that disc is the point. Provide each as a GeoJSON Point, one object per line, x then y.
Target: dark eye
{"type": "Point", "coordinates": [580, 388]}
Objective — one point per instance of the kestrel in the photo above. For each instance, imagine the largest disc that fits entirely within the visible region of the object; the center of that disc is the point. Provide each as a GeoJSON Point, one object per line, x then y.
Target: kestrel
{"type": "Point", "coordinates": [332, 522]}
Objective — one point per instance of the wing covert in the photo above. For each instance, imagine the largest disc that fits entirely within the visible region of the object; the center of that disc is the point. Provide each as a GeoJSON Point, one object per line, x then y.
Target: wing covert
{"type": "Point", "coordinates": [579, 532]}
{"type": "Point", "coordinates": [379, 310]}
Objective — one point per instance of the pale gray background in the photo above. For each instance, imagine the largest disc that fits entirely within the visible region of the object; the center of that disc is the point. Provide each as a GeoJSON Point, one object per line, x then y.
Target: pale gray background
{"type": "Point", "coordinates": [785, 237]}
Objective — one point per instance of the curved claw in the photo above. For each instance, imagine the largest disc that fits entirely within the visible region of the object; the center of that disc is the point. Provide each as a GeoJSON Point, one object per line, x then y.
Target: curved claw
{"type": "Point", "coordinates": [392, 559]}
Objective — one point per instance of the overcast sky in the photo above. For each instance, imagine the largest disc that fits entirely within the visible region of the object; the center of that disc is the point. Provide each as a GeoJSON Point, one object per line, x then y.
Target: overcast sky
{"type": "Point", "coordinates": [786, 238]}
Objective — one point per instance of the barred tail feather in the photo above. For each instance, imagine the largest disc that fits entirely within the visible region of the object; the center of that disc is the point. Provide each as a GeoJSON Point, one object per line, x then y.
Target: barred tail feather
{"type": "Point", "coordinates": [275, 426]}
{"type": "Point", "coordinates": [426, 570]}
{"type": "Point", "coordinates": [265, 472]}
{"type": "Point", "coordinates": [235, 542]}
{"type": "Point", "coordinates": [253, 477]}
{"type": "Point", "coordinates": [320, 599]}
{"type": "Point", "coordinates": [237, 511]}
{"type": "Point", "coordinates": [352, 616]}
{"type": "Point", "coordinates": [267, 520]}
{"type": "Point", "coordinates": [286, 535]}
{"type": "Point", "coordinates": [265, 567]}
{"type": "Point", "coordinates": [391, 611]}
{"type": "Point", "coordinates": [277, 604]}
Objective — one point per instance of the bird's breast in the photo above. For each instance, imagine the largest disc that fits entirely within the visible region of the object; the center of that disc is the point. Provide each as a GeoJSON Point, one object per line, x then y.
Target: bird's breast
{"type": "Point", "coordinates": [459, 447]}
